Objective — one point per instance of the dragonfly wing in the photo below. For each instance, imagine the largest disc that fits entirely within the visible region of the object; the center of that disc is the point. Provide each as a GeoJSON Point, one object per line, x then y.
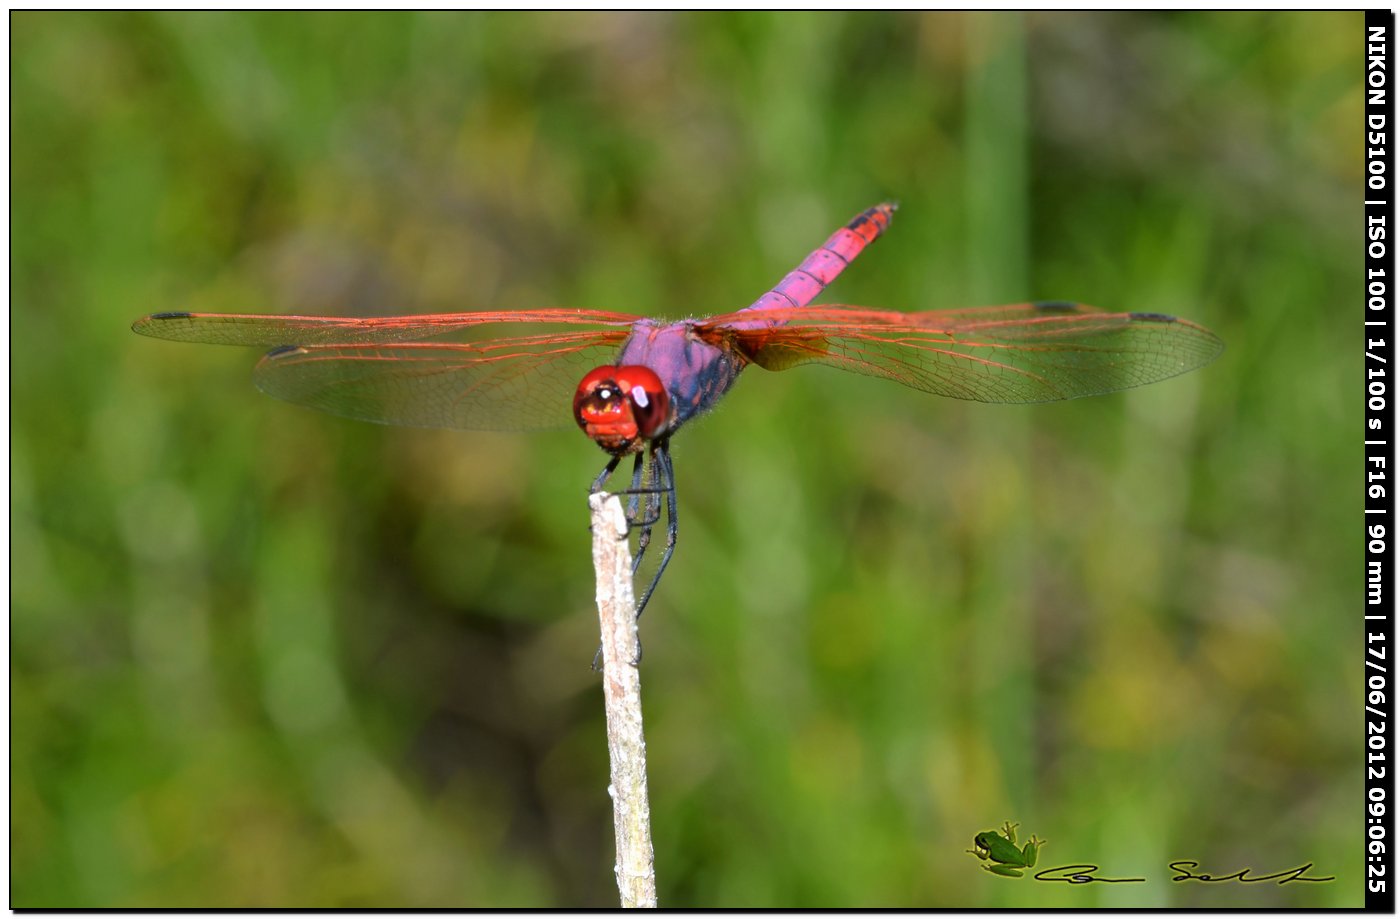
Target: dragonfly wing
{"type": "Point", "coordinates": [1034, 352]}
{"type": "Point", "coordinates": [272, 331]}
{"type": "Point", "coordinates": [514, 384]}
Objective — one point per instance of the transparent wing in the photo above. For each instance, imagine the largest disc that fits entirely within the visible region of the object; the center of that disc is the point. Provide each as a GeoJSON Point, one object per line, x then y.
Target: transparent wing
{"type": "Point", "coordinates": [381, 369]}
{"type": "Point", "coordinates": [510, 384]}
{"type": "Point", "coordinates": [1032, 352]}
{"type": "Point", "coordinates": [271, 331]}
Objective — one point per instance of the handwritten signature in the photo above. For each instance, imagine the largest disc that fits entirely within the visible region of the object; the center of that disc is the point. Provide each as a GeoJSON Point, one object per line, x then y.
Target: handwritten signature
{"type": "Point", "coordinates": [1283, 877]}
{"type": "Point", "coordinates": [1086, 874]}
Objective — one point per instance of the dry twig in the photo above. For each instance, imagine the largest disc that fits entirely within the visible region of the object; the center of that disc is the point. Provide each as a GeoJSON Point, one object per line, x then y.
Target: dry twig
{"type": "Point", "coordinates": [622, 694]}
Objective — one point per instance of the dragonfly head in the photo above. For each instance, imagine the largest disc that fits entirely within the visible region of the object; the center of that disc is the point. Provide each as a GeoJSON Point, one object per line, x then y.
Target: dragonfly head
{"type": "Point", "coordinates": [621, 408]}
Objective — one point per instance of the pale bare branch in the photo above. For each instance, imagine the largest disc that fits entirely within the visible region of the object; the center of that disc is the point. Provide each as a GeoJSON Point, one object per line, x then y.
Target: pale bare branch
{"type": "Point", "coordinates": [622, 694]}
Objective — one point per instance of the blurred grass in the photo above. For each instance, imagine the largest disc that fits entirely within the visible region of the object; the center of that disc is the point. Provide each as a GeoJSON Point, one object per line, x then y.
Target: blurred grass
{"type": "Point", "coordinates": [262, 657]}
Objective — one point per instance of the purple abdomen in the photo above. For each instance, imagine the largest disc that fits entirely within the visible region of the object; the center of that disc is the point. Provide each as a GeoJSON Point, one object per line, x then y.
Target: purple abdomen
{"type": "Point", "coordinates": [802, 285]}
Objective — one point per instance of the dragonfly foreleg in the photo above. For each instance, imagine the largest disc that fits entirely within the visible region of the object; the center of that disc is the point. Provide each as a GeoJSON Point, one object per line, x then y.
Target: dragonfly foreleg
{"type": "Point", "coordinates": [603, 476]}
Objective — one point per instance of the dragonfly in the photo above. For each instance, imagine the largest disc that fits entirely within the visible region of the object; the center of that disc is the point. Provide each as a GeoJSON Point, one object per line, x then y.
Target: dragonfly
{"type": "Point", "coordinates": [636, 381]}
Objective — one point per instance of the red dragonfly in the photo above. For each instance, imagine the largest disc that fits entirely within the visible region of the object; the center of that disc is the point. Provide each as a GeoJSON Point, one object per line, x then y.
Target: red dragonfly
{"type": "Point", "coordinates": [648, 377]}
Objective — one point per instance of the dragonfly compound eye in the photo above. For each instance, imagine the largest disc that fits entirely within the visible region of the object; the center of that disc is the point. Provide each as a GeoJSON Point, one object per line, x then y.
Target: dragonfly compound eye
{"type": "Point", "coordinates": [620, 407]}
{"type": "Point", "coordinates": [650, 406]}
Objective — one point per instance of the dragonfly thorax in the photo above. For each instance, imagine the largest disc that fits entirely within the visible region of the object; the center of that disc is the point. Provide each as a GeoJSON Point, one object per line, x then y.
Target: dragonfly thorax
{"type": "Point", "coordinates": [621, 408]}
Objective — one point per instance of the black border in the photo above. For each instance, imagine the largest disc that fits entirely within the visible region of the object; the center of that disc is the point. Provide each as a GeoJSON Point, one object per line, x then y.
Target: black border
{"type": "Point", "coordinates": [1378, 324]}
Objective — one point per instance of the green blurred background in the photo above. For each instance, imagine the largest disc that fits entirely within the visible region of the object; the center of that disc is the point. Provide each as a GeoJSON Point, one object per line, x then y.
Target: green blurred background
{"type": "Point", "coordinates": [266, 657]}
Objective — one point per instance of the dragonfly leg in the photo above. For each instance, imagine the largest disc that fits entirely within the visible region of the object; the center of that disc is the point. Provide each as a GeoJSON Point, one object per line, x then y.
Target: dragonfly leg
{"type": "Point", "coordinates": [603, 476]}
{"type": "Point", "coordinates": [644, 519]}
{"type": "Point", "coordinates": [636, 489]}
{"type": "Point", "coordinates": [665, 482]}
